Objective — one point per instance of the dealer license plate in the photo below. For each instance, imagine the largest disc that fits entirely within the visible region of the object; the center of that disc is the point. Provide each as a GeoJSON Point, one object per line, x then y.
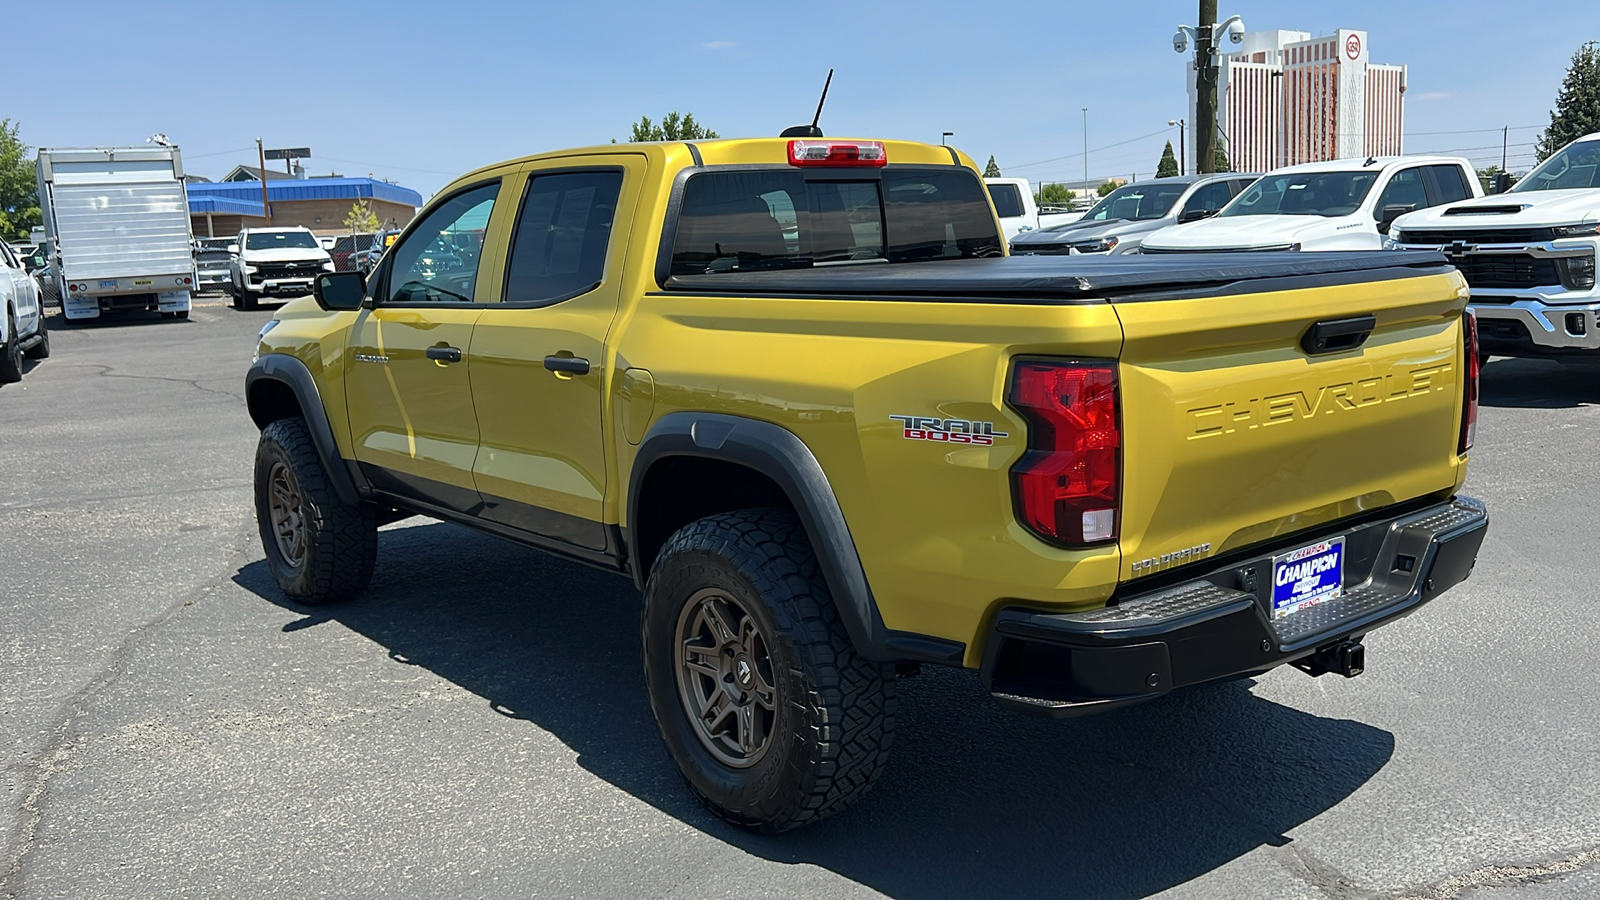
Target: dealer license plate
{"type": "Point", "coordinates": [1307, 576]}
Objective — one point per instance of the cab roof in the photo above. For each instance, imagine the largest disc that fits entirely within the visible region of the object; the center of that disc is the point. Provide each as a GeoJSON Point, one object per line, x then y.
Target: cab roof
{"type": "Point", "coordinates": [1359, 164]}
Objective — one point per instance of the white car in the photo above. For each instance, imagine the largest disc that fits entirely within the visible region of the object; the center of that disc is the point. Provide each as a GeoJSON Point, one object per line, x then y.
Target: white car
{"type": "Point", "coordinates": [22, 328]}
{"type": "Point", "coordinates": [1343, 204]}
{"type": "Point", "coordinates": [1528, 256]}
{"type": "Point", "coordinates": [275, 262]}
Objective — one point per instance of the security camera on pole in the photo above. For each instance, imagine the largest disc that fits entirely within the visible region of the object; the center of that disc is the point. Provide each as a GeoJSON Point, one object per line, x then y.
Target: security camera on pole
{"type": "Point", "coordinates": [1205, 64]}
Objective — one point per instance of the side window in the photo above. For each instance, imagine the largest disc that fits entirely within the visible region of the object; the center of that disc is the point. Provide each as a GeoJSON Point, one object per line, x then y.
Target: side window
{"type": "Point", "coordinates": [1403, 189]}
{"type": "Point", "coordinates": [1238, 185]}
{"type": "Point", "coordinates": [1449, 183]}
{"type": "Point", "coordinates": [438, 261]}
{"type": "Point", "coordinates": [1007, 200]}
{"type": "Point", "coordinates": [559, 248]}
{"type": "Point", "coordinates": [1209, 199]}
{"type": "Point", "coordinates": [6, 257]}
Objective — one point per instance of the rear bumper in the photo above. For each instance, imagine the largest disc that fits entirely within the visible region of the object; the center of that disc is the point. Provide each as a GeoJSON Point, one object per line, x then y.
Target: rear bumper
{"type": "Point", "coordinates": [1215, 625]}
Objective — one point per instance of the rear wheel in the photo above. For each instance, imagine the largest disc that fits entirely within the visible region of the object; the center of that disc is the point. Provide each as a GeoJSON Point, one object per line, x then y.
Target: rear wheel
{"type": "Point", "coordinates": [320, 549]}
{"type": "Point", "coordinates": [11, 353]}
{"type": "Point", "coordinates": [769, 712]}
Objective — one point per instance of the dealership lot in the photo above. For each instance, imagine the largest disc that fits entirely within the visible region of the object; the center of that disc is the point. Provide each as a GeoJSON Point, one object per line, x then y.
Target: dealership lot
{"type": "Point", "coordinates": [476, 724]}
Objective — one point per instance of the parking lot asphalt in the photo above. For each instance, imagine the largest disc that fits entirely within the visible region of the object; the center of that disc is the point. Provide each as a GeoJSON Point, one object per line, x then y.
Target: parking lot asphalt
{"type": "Point", "coordinates": [476, 724]}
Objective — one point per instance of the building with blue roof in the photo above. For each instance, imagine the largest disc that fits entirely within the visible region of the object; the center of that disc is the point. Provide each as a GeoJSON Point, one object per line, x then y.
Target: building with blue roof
{"type": "Point", "coordinates": [218, 209]}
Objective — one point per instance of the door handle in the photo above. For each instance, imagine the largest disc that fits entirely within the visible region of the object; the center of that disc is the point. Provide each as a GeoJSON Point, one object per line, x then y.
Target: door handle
{"type": "Point", "coordinates": [1334, 335]}
{"type": "Point", "coordinates": [444, 354]}
{"type": "Point", "coordinates": [575, 365]}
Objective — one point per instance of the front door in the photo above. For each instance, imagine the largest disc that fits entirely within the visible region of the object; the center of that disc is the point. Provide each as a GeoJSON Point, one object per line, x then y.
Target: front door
{"type": "Point", "coordinates": [539, 357]}
{"type": "Point", "coordinates": [409, 387]}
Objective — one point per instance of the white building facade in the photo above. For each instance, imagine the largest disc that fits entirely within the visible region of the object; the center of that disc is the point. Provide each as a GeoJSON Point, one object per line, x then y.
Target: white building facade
{"type": "Point", "coordinates": [1285, 97]}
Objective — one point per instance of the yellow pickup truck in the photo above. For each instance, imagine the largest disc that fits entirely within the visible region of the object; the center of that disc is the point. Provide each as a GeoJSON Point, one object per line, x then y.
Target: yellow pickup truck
{"type": "Point", "coordinates": [798, 392]}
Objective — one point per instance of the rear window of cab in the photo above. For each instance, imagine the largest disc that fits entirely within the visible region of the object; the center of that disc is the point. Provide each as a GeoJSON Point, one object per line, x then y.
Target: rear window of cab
{"type": "Point", "coordinates": [750, 220]}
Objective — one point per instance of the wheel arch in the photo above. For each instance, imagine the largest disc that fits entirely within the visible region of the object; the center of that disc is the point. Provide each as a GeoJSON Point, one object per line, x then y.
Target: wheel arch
{"type": "Point", "coordinates": [724, 463]}
{"type": "Point", "coordinates": [279, 386]}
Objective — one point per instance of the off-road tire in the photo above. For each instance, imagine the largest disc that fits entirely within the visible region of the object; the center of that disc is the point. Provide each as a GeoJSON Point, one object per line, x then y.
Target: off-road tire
{"type": "Point", "coordinates": [833, 720]}
{"type": "Point", "coordinates": [249, 301]}
{"type": "Point", "coordinates": [11, 353]}
{"type": "Point", "coordinates": [340, 540]}
{"type": "Point", "coordinates": [40, 350]}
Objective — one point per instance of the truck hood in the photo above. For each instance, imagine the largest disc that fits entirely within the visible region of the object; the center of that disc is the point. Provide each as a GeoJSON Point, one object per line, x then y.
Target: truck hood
{"type": "Point", "coordinates": [1269, 232]}
{"type": "Point", "coordinates": [1526, 209]}
{"type": "Point", "coordinates": [1099, 228]}
{"type": "Point", "coordinates": [286, 255]}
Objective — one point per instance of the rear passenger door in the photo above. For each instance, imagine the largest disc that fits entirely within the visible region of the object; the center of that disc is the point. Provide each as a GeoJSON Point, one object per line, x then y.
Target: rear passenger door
{"type": "Point", "coordinates": [540, 366]}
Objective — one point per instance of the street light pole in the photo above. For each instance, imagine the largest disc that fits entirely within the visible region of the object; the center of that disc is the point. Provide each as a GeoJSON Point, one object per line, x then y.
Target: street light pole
{"type": "Point", "coordinates": [1086, 149]}
{"type": "Point", "coordinates": [1183, 146]}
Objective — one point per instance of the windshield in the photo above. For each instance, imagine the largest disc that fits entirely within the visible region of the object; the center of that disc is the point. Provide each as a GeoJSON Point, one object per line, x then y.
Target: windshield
{"type": "Point", "coordinates": [1303, 194]}
{"type": "Point", "coordinates": [1136, 201]}
{"type": "Point", "coordinates": [281, 240]}
{"type": "Point", "coordinates": [1575, 166]}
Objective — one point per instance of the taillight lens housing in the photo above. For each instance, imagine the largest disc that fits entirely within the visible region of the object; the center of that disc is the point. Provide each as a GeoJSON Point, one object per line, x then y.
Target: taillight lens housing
{"type": "Point", "coordinates": [1068, 486]}
{"type": "Point", "coordinates": [1473, 365]}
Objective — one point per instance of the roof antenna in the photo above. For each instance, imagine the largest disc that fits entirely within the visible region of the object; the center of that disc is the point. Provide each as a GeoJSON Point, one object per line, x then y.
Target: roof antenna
{"type": "Point", "coordinates": [811, 131]}
{"type": "Point", "coordinates": [1370, 161]}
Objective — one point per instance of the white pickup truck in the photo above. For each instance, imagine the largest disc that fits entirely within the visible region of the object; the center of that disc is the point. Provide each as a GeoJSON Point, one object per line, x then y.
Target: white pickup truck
{"type": "Point", "coordinates": [276, 262]}
{"type": "Point", "coordinates": [1528, 255]}
{"type": "Point", "coordinates": [1342, 204]}
{"type": "Point", "coordinates": [22, 328]}
{"type": "Point", "coordinates": [1018, 212]}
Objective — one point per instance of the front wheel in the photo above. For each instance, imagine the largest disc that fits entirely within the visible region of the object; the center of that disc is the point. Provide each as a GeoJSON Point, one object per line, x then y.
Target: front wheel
{"type": "Point", "coordinates": [320, 549]}
{"type": "Point", "coordinates": [769, 712]}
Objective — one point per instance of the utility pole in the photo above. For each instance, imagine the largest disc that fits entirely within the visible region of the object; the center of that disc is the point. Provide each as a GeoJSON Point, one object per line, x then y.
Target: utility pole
{"type": "Point", "coordinates": [1504, 132]}
{"type": "Point", "coordinates": [262, 156]}
{"type": "Point", "coordinates": [1205, 80]}
{"type": "Point", "coordinates": [1086, 187]}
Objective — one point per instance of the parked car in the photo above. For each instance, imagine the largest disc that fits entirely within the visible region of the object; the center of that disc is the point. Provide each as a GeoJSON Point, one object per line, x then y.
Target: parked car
{"type": "Point", "coordinates": [1125, 218]}
{"type": "Point", "coordinates": [276, 262]}
{"type": "Point", "coordinates": [345, 247]}
{"type": "Point", "coordinates": [831, 458]}
{"type": "Point", "coordinates": [365, 261]}
{"type": "Point", "coordinates": [1342, 204]}
{"type": "Point", "coordinates": [1018, 212]}
{"type": "Point", "coordinates": [213, 264]}
{"type": "Point", "coordinates": [1528, 255]}
{"type": "Point", "coordinates": [23, 333]}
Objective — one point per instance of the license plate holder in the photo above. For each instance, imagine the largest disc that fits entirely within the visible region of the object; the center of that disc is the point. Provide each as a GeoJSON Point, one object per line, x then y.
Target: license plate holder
{"type": "Point", "coordinates": [1307, 576]}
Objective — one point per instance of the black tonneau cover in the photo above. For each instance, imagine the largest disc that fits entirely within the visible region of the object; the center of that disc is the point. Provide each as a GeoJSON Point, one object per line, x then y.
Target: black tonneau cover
{"type": "Point", "coordinates": [1065, 278]}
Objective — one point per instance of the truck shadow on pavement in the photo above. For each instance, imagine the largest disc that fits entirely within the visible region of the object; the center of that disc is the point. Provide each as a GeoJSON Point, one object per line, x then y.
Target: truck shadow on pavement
{"type": "Point", "coordinates": [1539, 384]}
{"type": "Point", "coordinates": [977, 801]}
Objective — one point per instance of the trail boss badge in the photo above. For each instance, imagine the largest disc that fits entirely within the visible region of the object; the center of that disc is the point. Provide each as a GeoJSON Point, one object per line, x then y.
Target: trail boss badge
{"type": "Point", "coordinates": [948, 431]}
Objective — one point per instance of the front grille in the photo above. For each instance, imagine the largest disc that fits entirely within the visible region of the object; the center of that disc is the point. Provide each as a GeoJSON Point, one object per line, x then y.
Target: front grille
{"type": "Point", "coordinates": [288, 269]}
{"type": "Point", "coordinates": [1506, 270]}
{"type": "Point", "coordinates": [1040, 249]}
{"type": "Point", "coordinates": [1487, 236]}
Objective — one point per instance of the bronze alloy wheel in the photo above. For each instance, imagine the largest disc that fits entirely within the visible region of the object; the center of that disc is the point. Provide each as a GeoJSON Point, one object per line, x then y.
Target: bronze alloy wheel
{"type": "Point", "coordinates": [286, 511]}
{"type": "Point", "coordinates": [725, 678]}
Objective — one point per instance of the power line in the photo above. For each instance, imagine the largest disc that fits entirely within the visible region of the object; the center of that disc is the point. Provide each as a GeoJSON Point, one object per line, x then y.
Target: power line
{"type": "Point", "coordinates": [1095, 150]}
{"type": "Point", "coordinates": [357, 162]}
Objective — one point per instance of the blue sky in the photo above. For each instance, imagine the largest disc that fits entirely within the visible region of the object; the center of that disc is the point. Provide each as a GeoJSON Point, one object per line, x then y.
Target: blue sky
{"type": "Point", "coordinates": [420, 92]}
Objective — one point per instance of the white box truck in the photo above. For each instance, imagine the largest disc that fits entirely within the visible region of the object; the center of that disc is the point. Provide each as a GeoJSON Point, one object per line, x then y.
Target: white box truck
{"type": "Point", "coordinates": [118, 223]}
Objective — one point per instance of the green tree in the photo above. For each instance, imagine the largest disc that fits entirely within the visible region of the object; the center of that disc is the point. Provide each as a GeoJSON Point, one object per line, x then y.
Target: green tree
{"type": "Point", "coordinates": [1577, 111]}
{"type": "Point", "coordinates": [1108, 187]}
{"type": "Point", "coordinates": [1052, 194]}
{"type": "Point", "coordinates": [1222, 164]}
{"type": "Point", "coordinates": [992, 170]}
{"type": "Point", "coordinates": [19, 193]}
{"type": "Point", "coordinates": [1168, 166]}
{"type": "Point", "coordinates": [361, 217]}
{"type": "Point", "coordinates": [673, 127]}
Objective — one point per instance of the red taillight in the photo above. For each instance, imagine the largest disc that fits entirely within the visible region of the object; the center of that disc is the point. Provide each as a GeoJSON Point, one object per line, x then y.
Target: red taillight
{"type": "Point", "coordinates": [1069, 483]}
{"type": "Point", "coordinates": [1474, 364]}
{"type": "Point", "coordinates": [837, 153]}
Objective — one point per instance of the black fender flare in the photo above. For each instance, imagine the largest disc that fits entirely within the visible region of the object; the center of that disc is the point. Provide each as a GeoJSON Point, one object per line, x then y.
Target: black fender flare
{"type": "Point", "coordinates": [779, 454]}
{"type": "Point", "coordinates": [293, 374]}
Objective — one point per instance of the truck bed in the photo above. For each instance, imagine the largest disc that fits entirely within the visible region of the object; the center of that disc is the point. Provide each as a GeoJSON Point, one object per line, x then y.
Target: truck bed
{"type": "Point", "coordinates": [1068, 279]}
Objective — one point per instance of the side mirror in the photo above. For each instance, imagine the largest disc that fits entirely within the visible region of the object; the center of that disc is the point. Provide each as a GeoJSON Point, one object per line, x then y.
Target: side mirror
{"type": "Point", "coordinates": [1195, 215]}
{"type": "Point", "coordinates": [1502, 183]}
{"type": "Point", "coordinates": [234, 249]}
{"type": "Point", "coordinates": [340, 290]}
{"type": "Point", "coordinates": [1390, 213]}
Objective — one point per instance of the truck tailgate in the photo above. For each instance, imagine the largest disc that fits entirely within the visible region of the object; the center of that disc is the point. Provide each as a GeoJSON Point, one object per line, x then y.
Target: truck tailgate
{"type": "Point", "coordinates": [1234, 434]}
